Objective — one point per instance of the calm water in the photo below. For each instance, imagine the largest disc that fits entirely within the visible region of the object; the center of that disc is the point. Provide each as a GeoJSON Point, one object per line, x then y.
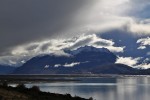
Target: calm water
{"type": "Point", "coordinates": [135, 88]}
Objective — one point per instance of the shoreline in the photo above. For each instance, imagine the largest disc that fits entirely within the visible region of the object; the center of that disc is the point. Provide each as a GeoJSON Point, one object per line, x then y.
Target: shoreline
{"type": "Point", "coordinates": [20, 92]}
{"type": "Point", "coordinates": [57, 78]}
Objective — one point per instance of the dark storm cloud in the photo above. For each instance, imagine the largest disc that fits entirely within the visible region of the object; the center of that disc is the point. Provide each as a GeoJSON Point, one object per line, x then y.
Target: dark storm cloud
{"type": "Point", "coordinates": [23, 21]}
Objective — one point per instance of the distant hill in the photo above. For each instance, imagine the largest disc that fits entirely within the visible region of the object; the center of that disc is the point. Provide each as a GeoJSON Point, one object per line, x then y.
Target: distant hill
{"type": "Point", "coordinates": [79, 61]}
{"type": "Point", "coordinates": [115, 69]}
{"type": "Point", "coordinates": [84, 60]}
{"type": "Point", "coordinates": [6, 69]}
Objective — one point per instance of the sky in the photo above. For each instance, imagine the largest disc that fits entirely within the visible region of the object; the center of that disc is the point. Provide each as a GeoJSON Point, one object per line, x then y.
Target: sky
{"type": "Point", "coordinates": [33, 27]}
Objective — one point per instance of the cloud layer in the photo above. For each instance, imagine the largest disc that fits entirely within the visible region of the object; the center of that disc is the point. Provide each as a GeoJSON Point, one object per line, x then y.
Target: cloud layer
{"type": "Point", "coordinates": [144, 42]}
{"type": "Point", "coordinates": [134, 62]}
{"type": "Point", "coordinates": [34, 27]}
{"type": "Point", "coordinates": [56, 47]}
{"type": "Point", "coordinates": [128, 61]}
{"type": "Point", "coordinates": [35, 20]}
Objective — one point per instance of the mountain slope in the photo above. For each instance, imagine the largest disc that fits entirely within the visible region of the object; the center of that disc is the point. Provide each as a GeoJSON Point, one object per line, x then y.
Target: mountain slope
{"type": "Point", "coordinates": [79, 61]}
{"type": "Point", "coordinates": [115, 69]}
{"type": "Point", "coordinates": [84, 60]}
{"type": "Point", "coordinates": [6, 69]}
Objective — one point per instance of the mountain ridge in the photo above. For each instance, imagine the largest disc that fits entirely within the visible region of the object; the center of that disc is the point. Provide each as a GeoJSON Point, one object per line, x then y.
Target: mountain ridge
{"type": "Point", "coordinates": [83, 60]}
{"type": "Point", "coordinates": [80, 61]}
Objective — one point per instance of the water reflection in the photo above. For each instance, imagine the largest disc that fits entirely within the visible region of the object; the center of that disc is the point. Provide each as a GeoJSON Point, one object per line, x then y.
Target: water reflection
{"type": "Point", "coordinates": [137, 88]}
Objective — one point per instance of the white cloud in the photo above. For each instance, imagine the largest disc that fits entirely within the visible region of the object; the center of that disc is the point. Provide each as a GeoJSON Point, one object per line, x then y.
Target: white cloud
{"type": "Point", "coordinates": [72, 64]}
{"type": "Point", "coordinates": [143, 66]}
{"type": "Point", "coordinates": [56, 47]}
{"type": "Point", "coordinates": [141, 47]}
{"type": "Point", "coordinates": [139, 28]}
{"type": "Point", "coordinates": [107, 15]}
{"type": "Point", "coordinates": [94, 40]}
{"type": "Point", "coordinates": [67, 64]}
{"type": "Point", "coordinates": [128, 61]}
{"type": "Point", "coordinates": [134, 62]}
{"type": "Point", "coordinates": [143, 42]}
{"type": "Point", "coordinates": [148, 53]}
{"type": "Point", "coordinates": [46, 66]}
{"type": "Point", "coordinates": [57, 65]}
{"type": "Point", "coordinates": [14, 60]}
{"type": "Point", "coordinates": [104, 15]}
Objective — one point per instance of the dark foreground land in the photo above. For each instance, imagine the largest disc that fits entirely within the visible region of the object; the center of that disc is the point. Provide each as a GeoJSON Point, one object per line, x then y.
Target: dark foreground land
{"type": "Point", "coordinates": [22, 93]}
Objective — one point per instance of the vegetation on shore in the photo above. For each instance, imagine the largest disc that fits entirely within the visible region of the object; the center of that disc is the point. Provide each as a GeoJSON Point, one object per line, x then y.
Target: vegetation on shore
{"type": "Point", "coordinates": [22, 93]}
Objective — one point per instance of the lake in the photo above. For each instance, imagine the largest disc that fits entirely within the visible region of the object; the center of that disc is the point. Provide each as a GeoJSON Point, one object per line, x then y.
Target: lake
{"type": "Point", "coordinates": [119, 88]}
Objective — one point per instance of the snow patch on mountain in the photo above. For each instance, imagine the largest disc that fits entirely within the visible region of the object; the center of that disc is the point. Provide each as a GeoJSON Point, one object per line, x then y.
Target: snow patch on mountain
{"type": "Point", "coordinates": [71, 64]}
{"type": "Point", "coordinates": [67, 64]}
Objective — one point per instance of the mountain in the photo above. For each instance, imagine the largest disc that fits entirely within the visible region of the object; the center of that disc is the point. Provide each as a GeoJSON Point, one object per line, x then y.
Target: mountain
{"type": "Point", "coordinates": [120, 69]}
{"type": "Point", "coordinates": [6, 69]}
{"type": "Point", "coordinates": [81, 60]}
{"type": "Point", "coordinates": [84, 60]}
{"type": "Point", "coordinates": [88, 49]}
